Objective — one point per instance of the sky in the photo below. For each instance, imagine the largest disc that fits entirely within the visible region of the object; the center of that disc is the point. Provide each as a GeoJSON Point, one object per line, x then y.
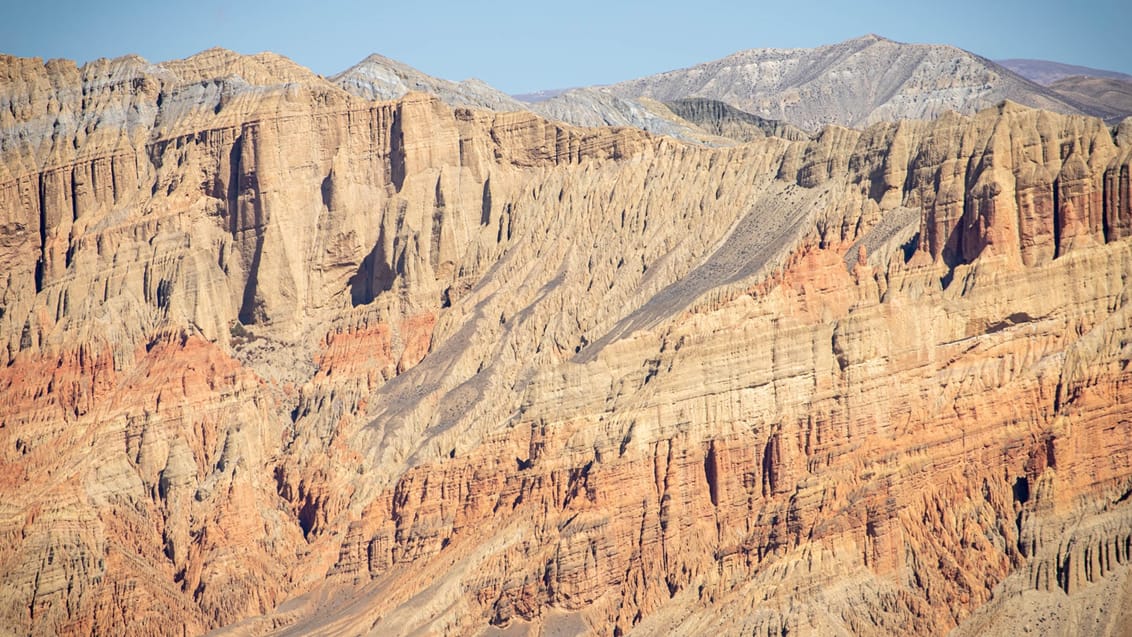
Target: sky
{"type": "Point", "coordinates": [525, 46]}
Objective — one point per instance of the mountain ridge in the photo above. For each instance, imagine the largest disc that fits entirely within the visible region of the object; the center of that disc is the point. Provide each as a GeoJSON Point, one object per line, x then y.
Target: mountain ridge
{"type": "Point", "coordinates": [378, 77]}
{"type": "Point", "coordinates": [1107, 97]}
{"type": "Point", "coordinates": [1047, 72]}
{"type": "Point", "coordinates": [911, 84]}
{"type": "Point", "coordinates": [807, 87]}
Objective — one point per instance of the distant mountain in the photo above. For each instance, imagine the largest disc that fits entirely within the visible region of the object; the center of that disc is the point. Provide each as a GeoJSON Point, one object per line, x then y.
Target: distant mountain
{"type": "Point", "coordinates": [1045, 72]}
{"type": "Point", "coordinates": [543, 95]}
{"type": "Point", "coordinates": [1109, 98]}
{"type": "Point", "coordinates": [378, 77]}
{"type": "Point", "coordinates": [595, 107]}
{"type": "Point", "coordinates": [780, 92]}
{"type": "Point", "coordinates": [1106, 94]}
{"type": "Point", "coordinates": [381, 78]}
{"type": "Point", "coordinates": [854, 83]}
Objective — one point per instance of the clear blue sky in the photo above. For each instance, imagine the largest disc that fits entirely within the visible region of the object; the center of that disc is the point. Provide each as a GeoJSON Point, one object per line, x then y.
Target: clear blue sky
{"type": "Point", "coordinates": [523, 46]}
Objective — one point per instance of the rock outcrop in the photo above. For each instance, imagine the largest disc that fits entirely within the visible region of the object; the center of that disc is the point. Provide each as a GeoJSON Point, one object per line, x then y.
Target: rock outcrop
{"type": "Point", "coordinates": [277, 358]}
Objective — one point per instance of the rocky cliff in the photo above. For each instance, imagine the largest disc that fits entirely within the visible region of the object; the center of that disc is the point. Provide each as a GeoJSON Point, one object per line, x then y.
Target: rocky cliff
{"type": "Point", "coordinates": [279, 359]}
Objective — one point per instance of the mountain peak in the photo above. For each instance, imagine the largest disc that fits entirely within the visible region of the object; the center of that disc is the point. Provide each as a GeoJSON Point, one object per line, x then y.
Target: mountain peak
{"type": "Point", "coordinates": [260, 69]}
{"type": "Point", "coordinates": [382, 78]}
{"type": "Point", "coordinates": [851, 83]}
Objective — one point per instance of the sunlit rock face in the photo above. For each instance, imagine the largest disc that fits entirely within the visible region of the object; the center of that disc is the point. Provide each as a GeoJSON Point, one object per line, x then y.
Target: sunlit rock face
{"type": "Point", "coordinates": [279, 358]}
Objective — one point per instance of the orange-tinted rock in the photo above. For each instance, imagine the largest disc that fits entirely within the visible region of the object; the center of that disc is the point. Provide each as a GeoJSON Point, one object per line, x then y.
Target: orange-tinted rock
{"type": "Point", "coordinates": [1118, 192]}
{"type": "Point", "coordinates": [1078, 206]}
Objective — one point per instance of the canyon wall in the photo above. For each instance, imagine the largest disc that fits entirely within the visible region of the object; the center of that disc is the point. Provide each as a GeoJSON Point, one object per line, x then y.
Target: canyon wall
{"type": "Point", "coordinates": [280, 359]}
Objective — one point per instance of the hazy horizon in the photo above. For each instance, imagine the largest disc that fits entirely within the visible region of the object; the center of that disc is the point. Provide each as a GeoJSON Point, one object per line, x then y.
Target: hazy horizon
{"type": "Point", "coordinates": [520, 48]}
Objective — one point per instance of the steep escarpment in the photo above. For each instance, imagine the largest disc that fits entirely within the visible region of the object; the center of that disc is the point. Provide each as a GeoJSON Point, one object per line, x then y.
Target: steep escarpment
{"type": "Point", "coordinates": [278, 358]}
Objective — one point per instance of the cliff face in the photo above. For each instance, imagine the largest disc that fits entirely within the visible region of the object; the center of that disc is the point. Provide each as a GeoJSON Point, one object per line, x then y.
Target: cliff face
{"type": "Point", "coordinates": [278, 358]}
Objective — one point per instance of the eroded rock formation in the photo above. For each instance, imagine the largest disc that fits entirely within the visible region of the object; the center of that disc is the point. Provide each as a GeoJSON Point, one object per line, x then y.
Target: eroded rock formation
{"type": "Point", "coordinates": [278, 358]}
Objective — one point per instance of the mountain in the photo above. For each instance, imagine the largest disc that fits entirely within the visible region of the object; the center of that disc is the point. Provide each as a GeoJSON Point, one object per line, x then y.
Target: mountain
{"type": "Point", "coordinates": [279, 359]}
{"type": "Point", "coordinates": [543, 95]}
{"type": "Point", "coordinates": [594, 107]}
{"type": "Point", "coordinates": [380, 78]}
{"type": "Point", "coordinates": [1106, 94]}
{"type": "Point", "coordinates": [1107, 97]}
{"type": "Point", "coordinates": [1045, 72]}
{"type": "Point", "coordinates": [855, 83]}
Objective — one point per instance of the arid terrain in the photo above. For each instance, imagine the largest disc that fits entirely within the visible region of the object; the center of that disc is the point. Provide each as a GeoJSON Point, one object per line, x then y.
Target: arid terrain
{"type": "Point", "coordinates": [383, 354]}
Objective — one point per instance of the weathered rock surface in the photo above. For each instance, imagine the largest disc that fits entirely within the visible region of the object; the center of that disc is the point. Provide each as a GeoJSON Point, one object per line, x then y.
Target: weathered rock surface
{"type": "Point", "coordinates": [854, 83]}
{"type": "Point", "coordinates": [280, 359]}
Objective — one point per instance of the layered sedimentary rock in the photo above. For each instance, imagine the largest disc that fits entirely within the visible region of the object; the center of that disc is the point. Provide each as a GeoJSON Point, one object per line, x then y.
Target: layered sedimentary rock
{"type": "Point", "coordinates": [596, 107]}
{"type": "Point", "coordinates": [281, 359]}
